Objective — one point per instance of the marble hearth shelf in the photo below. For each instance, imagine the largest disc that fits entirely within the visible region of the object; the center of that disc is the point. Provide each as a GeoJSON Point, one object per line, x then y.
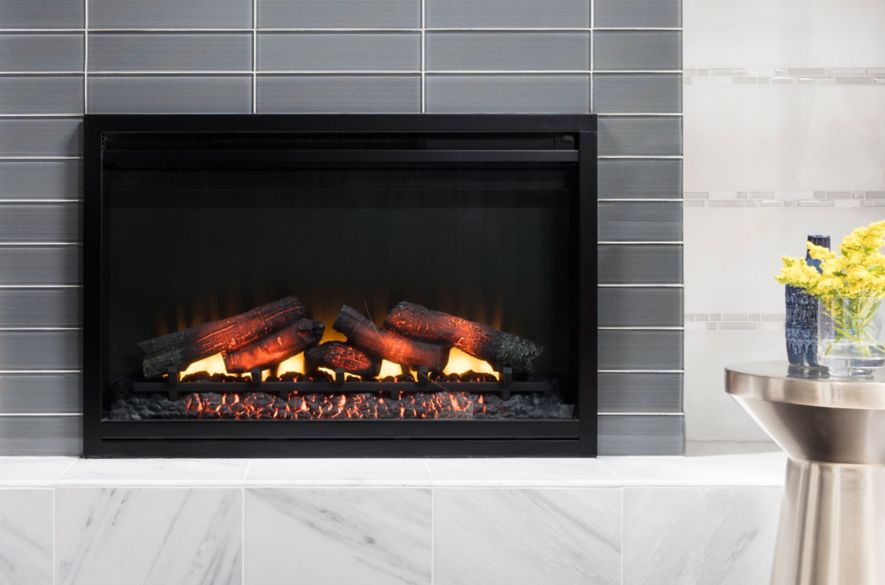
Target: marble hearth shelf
{"type": "Point", "coordinates": [704, 519]}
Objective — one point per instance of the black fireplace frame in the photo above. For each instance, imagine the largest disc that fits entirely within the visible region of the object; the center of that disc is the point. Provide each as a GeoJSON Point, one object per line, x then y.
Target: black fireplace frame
{"type": "Point", "coordinates": [333, 438]}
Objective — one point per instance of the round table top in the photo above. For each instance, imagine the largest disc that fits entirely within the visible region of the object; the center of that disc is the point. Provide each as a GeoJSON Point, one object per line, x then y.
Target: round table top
{"type": "Point", "coordinates": [780, 382]}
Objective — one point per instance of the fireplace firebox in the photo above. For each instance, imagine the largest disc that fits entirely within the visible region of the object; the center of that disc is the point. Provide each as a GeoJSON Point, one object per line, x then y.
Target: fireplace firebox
{"type": "Point", "coordinates": [333, 285]}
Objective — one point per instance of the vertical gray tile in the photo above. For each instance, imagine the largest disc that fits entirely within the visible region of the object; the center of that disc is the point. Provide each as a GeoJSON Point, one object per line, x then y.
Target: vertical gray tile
{"type": "Point", "coordinates": [632, 392]}
{"type": "Point", "coordinates": [637, 50]}
{"type": "Point", "coordinates": [40, 307]}
{"type": "Point", "coordinates": [170, 52]}
{"type": "Point", "coordinates": [508, 13]}
{"type": "Point", "coordinates": [640, 136]}
{"type": "Point", "coordinates": [637, 13]}
{"type": "Point", "coordinates": [640, 264]}
{"type": "Point", "coordinates": [56, 52]}
{"type": "Point", "coordinates": [640, 350]}
{"type": "Point", "coordinates": [170, 95]}
{"type": "Point", "coordinates": [41, 435]}
{"type": "Point", "coordinates": [41, 95]}
{"type": "Point", "coordinates": [43, 14]}
{"type": "Point", "coordinates": [527, 536]}
{"type": "Point", "coordinates": [640, 307]}
{"type": "Point", "coordinates": [640, 221]}
{"type": "Point", "coordinates": [44, 393]}
{"type": "Point", "coordinates": [40, 179]}
{"type": "Point", "coordinates": [626, 93]}
{"type": "Point", "coordinates": [640, 435]}
{"type": "Point", "coordinates": [514, 94]}
{"type": "Point", "coordinates": [170, 14]}
{"type": "Point", "coordinates": [339, 94]}
{"type": "Point", "coordinates": [26, 528]}
{"type": "Point", "coordinates": [40, 222]}
{"type": "Point", "coordinates": [22, 265]}
{"type": "Point", "coordinates": [507, 51]}
{"type": "Point", "coordinates": [339, 14]}
{"type": "Point", "coordinates": [345, 51]}
{"type": "Point", "coordinates": [640, 179]}
{"type": "Point", "coordinates": [40, 137]}
{"type": "Point", "coordinates": [40, 350]}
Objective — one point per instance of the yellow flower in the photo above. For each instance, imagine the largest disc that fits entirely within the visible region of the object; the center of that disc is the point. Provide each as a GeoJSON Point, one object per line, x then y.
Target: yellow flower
{"type": "Point", "coordinates": [859, 272]}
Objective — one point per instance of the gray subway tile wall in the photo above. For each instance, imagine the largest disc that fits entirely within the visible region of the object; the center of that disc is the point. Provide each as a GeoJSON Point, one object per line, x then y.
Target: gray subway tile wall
{"type": "Point", "coordinates": [340, 51]}
{"type": "Point", "coordinates": [339, 14]}
{"type": "Point", "coordinates": [40, 52]}
{"type": "Point", "coordinates": [619, 58]}
{"type": "Point", "coordinates": [47, 394]}
{"type": "Point", "coordinates": [179, 52]}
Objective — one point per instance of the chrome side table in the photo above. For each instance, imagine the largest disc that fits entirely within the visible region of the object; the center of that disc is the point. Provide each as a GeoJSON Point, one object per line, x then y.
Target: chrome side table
{"type": "Point", "coordinates": [832, 523]}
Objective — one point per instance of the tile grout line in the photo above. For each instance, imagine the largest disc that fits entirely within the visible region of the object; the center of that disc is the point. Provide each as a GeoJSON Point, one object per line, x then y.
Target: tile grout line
{"type": "Point", "coordinates": [243, 524]}
{"type": "Point", "coordinates": [423, 57]}
{"type": "Point", "coordinates": [85, 57]}
{"type": "Point", "coordinates": [254, 56]}
{"type": "Point", "coordinates": [54, 496]}
{"type": "Point", "coordinates": [592, 32]}
{"type": "Point", "coordinates": [432, 521]}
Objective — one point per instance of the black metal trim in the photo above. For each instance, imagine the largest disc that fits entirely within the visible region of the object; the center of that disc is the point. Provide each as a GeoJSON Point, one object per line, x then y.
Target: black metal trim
{"type": "Point", "coordinates": [573, 437]}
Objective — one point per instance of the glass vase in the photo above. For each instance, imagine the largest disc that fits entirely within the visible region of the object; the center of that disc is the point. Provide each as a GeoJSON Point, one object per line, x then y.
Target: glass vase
{"type": "Point", "coordinates": [851, 336]}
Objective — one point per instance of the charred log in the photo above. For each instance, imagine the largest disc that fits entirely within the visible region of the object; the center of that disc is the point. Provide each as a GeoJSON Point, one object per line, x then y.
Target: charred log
{"type": "Point", "coordinates": [389, 345]}
{"type": "Point", "coordinates": [274, 348]}
{"type": "Point", "coordinates": [183, 347]}
{"type": "Point", "coordinates": [498, 348]}
{"type": "Point", "coordinates": [335, 354]}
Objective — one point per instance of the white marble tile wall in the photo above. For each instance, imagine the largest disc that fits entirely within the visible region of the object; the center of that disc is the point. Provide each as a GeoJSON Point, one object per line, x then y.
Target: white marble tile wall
{"type": "Point", "coordinates": [784, 136]}
{"type": "Point", "coordinates": [703, 520]}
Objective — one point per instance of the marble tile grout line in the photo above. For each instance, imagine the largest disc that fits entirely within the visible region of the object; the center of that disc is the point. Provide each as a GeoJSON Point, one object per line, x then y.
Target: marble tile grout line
{"type": "Point", "coordinates": [254, 56]}
{"type": "Point", "coordinates": [243, 523]}
{"type": "Point", "coordinates": [432, 522]}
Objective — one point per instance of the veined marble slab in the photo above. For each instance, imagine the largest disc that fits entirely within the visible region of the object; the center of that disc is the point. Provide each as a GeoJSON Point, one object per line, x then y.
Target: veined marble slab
{"type": "Point", "coordinates": [390, 472]}
{"type": "Point", "coordinates": [184, 472]}
{"type": "Point", "coordinates": [26, 536]}
{"type": "Point", "coordinates": [148, 536]}
{"type": "Point", "coordinates": [569, 536]}
{"type": "Point", "coordinates": [33, 471]}
{"type": "Point", "coordinates": [320, 536]}
{"type": "Point", "coordinates": [547, 472]}
{"type": "Point", "coordinates": [699, 536]}
{"type": "Point", "coordinates": [749, 469]}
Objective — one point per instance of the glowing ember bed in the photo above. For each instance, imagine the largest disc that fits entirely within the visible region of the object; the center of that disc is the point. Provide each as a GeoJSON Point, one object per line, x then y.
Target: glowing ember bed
{"type": "Point", "coordinates": [340, 285]}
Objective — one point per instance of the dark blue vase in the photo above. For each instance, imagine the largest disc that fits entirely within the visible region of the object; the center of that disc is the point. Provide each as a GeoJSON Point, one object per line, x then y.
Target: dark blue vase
{"type": "Point", "coordinates": [800, 328]}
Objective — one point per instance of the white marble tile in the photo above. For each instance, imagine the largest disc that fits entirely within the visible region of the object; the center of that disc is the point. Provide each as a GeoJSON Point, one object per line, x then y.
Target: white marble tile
{"type": "Point", "coordinates": [732, 254]}
{"type": "Point", "coordinates": [706, 448]}
{"type": "Point", "coordinates": [786, 33]}
{"type": "Point", "coordinates": [25, 536]}
{"type": "Point", "coordinates": [699, 536]}
{"type": "Point", "coordinates": [529, 472]}
{"type": "Point", "coordinates": [148, 536]}
{"type": "Point", "coordinates": [540, 536]}
{"type": "Point", "coordinates": [112, 472]}
{"type": "Point", "coordinates": [746, 469]}
{"type": "Point", "coordinates": [32, 471]}
{"type": "Point", "coordinates": [338, 472]}
{"type": "Point", "coordinates": [319, 536]}
{"type": "Point", "coordinates": [793, 137]}
{"type": "Point", "coordinates": [710, 413]}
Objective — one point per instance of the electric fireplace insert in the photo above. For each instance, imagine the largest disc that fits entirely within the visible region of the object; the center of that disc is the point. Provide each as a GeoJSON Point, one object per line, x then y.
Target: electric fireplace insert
{"type": "Point", "coordinates": [340, 285]}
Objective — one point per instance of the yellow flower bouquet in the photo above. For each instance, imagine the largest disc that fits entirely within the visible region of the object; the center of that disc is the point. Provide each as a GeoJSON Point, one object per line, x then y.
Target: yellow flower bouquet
{"type": "Point", "coordinates": [850, 288]}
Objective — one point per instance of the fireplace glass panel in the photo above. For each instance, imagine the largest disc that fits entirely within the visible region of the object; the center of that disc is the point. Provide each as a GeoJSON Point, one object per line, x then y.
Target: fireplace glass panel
{"type": "Point", "coordinates": [189, 244]}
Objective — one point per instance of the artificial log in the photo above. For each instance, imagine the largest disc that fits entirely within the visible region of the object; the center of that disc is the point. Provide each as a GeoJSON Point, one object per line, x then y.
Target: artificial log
{"type": "Point", "coordinates": [498, 348]}
{"type": "Point", "coordinates": [388, 345]}
{"type": "Point", "coordinates": [335, 354]}
{"type": "Point", "coordinates": [274, 348]}
{"type": "Point", "coordinates": [178, 349]}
